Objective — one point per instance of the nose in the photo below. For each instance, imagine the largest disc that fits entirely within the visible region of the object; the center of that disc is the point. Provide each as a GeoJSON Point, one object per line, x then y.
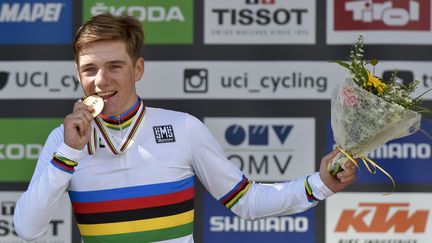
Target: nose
{"type": "Point", "coordinates": [101, 78]}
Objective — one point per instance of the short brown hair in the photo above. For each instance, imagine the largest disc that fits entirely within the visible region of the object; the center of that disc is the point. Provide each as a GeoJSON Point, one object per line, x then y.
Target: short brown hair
{"type": "Point", "coordinates": [110, 27]}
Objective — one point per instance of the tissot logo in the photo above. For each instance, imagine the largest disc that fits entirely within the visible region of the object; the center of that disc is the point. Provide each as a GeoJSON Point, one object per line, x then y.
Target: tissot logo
{"type": "Point", "coordinates": [7, 208]}
{"type": "Point", "coordinates": [4, 76]}
{"type": "Point", "coordinates": [164, 134]}
{"type": "Point", "coordinates": [382, 15]}
{"type": "Point", "coordinates": [259, 21]}
{"type": "Point", "coordinates": [260, 1]}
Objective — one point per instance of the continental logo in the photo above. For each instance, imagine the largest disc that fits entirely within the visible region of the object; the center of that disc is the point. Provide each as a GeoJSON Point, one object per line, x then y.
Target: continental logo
{"type": "Point", "coordinates": [30, 12]}
{"type": "Point", "coordinates": [372, 217]}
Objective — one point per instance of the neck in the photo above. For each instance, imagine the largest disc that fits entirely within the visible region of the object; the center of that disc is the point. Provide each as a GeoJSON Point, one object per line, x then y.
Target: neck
{"type": "Point", "coordinates": [125, 116]}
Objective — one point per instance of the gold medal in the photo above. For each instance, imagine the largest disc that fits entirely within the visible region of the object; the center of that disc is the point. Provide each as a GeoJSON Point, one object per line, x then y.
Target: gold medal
{"type": "Point", "coordinates": [96, 103]}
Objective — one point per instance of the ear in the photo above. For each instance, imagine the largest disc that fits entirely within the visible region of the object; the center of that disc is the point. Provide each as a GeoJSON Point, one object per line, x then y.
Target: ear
{"type": "Point", "coordinates": [139, 68]}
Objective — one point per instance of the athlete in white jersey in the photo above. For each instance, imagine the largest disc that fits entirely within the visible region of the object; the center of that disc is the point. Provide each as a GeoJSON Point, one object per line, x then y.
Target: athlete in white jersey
{"type": "Point", "coordinates": [130, 172]}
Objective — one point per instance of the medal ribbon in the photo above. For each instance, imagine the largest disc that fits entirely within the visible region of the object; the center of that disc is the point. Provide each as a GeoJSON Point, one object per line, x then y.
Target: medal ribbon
{"type": "Point", "coordinates": [129, 137]}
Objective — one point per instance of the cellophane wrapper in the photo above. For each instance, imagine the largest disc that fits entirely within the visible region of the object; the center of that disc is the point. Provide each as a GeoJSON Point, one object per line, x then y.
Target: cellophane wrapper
{"type": "Point", "coordinates": [362, 122]}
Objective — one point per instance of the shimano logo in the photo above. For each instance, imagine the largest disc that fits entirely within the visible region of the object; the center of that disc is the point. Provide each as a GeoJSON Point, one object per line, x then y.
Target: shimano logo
{"type": "Point", "coordinates": [271, 224]}
{"type": "Point", "coordinates": [403, 151]}
{"type": "Point", "coordinates": [30, 12]}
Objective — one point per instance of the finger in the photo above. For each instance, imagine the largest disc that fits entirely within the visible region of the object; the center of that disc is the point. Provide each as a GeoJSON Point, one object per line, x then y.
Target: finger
{"type": "Point", "coordinates": [79, 105]}
{"type": "Point", "coordinates": [346, 173]}
{"type": "Point", "coordinates": [331, 155]}
{"type": "Point", "coordinates": [349, 179]}
{"type": "Point", "coordinates": [350, 165]}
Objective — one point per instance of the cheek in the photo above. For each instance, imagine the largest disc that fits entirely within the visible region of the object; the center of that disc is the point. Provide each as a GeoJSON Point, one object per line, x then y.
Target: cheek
{"type": "Point", "coordinates": [87, 86]}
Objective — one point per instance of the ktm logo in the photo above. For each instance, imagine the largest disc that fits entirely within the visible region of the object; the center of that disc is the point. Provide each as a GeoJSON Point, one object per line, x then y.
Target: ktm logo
{"type": "Point", "coordinates": [382, 217]}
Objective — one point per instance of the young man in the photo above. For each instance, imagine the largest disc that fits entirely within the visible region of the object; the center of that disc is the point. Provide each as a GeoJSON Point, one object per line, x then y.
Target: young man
{"type": "Point", "coordinates": [126, 183]}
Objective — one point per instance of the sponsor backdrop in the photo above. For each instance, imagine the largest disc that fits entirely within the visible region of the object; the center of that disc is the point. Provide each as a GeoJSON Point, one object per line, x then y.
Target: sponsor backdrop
{"type": "Point", "coordinates": [258, 74]}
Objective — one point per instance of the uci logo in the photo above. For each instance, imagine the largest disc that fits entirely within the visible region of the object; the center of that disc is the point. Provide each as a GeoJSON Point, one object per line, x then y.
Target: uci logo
{"type": "Point", "coordinates": [4, 76]}
{"type": "Point", "coordinates": [256, 134]}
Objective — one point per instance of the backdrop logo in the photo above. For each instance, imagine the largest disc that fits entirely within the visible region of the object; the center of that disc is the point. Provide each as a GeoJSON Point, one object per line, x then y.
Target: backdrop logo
{"type": "Point", "coordinates": [221, 225]}
{"type": "Point", "coordinates": [42, 22]}
{"type": "Point", "coordinates": [267, 149]}
{"type": "Point", "coordinates": [21, 145]}
{"type": "Point", "coordinates": [370, 217]}
{"type": "Point", "coordinates": [58, 230]}
{"type": "Point", "coordinates": [166, 22]}
{"type": "Point", "coordinates": [195, 80]}
{"type": "Point", "coordinates": [382, 15]}
{"type": "Point", "coordinates": [381, 220]}
{"type": "Point", "coordinates": [4, 76]}
{"type": "Point", "coordinates": [259, 21]}
{"type": "Point", "coordinates": [258, 134]}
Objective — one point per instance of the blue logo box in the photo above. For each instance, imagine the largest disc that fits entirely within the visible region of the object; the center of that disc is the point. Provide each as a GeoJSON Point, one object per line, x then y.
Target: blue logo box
{"type": "Point", "coordinates": [36, 22]}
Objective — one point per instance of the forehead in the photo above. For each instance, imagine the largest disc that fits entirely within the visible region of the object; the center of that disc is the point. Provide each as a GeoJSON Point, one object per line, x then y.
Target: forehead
{"type": "Point", "coordinates": [102, 52]}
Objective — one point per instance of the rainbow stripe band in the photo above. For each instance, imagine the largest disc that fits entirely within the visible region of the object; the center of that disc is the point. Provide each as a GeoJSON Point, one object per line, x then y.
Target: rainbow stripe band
{"type": "Point", "coordinates": [63, 163]}
{"type": "Point", "coordinates": [309, 192]}
{"type": "Point", "coordinates": [144, 213]}
{"type": "Point", "coordinates": [232, 197]}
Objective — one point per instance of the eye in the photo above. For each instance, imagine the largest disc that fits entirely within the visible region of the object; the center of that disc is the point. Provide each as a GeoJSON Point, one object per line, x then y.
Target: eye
{"type": "Point", "coordinates": [89, 71]}
{"type": "Point", "coordinates": [114, 67]}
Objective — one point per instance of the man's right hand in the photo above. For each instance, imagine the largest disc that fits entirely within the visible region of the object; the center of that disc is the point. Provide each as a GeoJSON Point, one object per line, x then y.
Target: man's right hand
{"type": "Point", "coordinates": [77, 126]}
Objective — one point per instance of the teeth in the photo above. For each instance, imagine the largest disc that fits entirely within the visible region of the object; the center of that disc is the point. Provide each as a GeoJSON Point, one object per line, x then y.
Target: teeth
{"type": "Point", "coordinates": [102, 94]}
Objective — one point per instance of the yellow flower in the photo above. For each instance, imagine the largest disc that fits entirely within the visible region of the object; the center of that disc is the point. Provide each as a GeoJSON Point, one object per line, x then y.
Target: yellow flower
{"type": "Point", "coordinates": [376, 83]}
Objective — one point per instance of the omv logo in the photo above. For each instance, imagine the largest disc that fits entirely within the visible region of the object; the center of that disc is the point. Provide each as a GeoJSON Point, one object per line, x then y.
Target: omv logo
{"type": "Point", "coordinates": [260, 135]}
{"type": "Point", "coordinates": [4, 76]}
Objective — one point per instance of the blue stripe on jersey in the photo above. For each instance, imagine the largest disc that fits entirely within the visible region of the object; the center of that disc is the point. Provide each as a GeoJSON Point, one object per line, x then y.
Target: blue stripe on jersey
{"type": "Point", "coordinates": [131, 192]}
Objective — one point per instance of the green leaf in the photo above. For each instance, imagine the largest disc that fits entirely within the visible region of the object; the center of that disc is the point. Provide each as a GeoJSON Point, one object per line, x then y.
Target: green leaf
{"type": "Point", "coordinates": [343, 64]}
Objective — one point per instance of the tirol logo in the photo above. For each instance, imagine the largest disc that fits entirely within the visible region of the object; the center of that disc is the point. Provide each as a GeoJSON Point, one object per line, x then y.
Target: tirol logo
{"type": "Point", "coordinates": [259, 21]}
{"type": "Point", "coordinates": [267, 149]}
{"type": "Point", "coordinates": [382, 218]}
{"type": "Point", "coordinates": [28, 22]}
{"type": "Point", "coordinates": [164, 134]}
{"type": "Point", "coordinates": [3, 79]}
{"type": "Point", "coordinates": [21, 145]}
{"type": "Point", "coordinates": [166, 22]}
{"type": "Point", "coordinates": [382, 15]}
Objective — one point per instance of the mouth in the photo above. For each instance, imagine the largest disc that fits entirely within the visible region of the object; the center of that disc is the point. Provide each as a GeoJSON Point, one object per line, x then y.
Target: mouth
{"type": "Point", "coordinates": [106, 95]}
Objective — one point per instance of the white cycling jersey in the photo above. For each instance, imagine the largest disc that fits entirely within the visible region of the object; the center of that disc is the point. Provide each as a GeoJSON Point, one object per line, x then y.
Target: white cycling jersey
{"type": "Point", "coordinates": [135, 183]}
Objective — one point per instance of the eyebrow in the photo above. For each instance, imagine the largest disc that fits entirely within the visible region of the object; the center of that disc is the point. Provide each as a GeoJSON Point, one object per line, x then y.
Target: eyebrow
{"type": "Point", "coordinates": [108, 63]}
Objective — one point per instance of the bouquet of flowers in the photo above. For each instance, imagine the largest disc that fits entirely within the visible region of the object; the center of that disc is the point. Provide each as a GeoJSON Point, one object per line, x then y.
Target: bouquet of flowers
{"type": "Point", "coordinates": [367, 112]}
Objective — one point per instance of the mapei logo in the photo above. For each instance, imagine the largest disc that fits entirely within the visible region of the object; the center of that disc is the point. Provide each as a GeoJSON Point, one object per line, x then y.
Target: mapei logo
{"type": "Point", "coordinates": [36, 22]}
{"type": "Point", "coordinates": [382, 218]}
{"type": "Point", "coordinates": [382, 15]}
{"type": "Point", "coordinates": [256, 134]}
{"type": "Point", "coordinates": [30, 12]}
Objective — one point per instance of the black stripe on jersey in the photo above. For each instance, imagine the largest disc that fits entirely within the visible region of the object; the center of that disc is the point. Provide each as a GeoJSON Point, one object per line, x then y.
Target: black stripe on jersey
{"type": "Point", "coordinates": [135, 214]}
